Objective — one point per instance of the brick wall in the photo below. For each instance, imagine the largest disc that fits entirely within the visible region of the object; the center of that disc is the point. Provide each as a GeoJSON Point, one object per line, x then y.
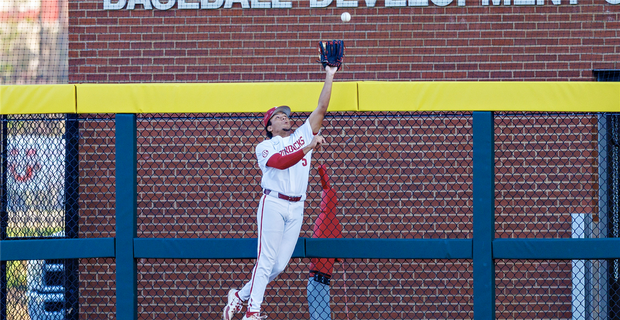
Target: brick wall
{"type": "Point", "coordinates": [97, 289]}
{"type": "Point", "coordinates": [546, 170]}
{"type": "Point", "coordinates": [397, 176]}
{"type": "Point", "coordinates": [198, 177]}
{"type": "Point", "coordinates": [374, 289]}
{"type": "Point", "coordinates": [97, 177]}
{"type": "Point", "coordinates": [471, 42]}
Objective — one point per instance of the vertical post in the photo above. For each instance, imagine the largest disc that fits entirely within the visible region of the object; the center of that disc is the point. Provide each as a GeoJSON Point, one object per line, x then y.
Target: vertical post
{"type": "Point", "coordinates": [484, 220]}
{"type": "Point", "coordinates": [72, 217]}
{"type": "Point", "coordinates": [600, 276]}
{"type": "Point", "coordinates": [4, 215]}
{"type": "Point", "coordinates": [613, 217]}
{"type": "Point", "coordinates": [126, 217]}
{"type": "Point", "coordinates": [609, 173]}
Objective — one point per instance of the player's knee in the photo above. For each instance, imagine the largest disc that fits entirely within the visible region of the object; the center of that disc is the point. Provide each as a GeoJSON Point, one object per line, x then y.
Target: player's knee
{"type": "Point", "coordinates": [279, 268]}
{"type": "Point", "coordinates": [265, 268]}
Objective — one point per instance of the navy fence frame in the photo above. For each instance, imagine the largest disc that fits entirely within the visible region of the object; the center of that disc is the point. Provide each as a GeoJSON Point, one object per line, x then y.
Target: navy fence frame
{"type": "Point", "coordinates": [482, 248]}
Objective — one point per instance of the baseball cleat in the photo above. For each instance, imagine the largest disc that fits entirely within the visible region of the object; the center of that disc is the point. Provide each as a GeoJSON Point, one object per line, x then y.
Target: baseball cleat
{"type": "Point", "coordinates": [254, 316]}
{"type": "Point", "coordinates": [233, 306]}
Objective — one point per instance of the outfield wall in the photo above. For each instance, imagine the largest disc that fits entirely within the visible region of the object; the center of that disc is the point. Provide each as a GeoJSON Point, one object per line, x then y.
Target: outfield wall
{"type": "Point", "coordinates": [411, 178]}
{"type": "Point", "coordinates": [301, 97]}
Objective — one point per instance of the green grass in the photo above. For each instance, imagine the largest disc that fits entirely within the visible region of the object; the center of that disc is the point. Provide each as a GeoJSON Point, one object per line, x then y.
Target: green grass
{"type": "Point", "coordinates": [16, 274]}
{"type": "Point", "coordinates": [32, 232]}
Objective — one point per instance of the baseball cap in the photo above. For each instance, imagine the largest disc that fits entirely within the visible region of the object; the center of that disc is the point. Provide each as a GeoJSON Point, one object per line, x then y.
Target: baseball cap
{"type": "Point", "coordinates": [273, 111]}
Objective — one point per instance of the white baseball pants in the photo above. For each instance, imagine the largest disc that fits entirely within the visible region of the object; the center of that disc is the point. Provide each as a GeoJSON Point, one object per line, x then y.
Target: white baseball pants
{"type": "Point", "coordinates": [279, 223]}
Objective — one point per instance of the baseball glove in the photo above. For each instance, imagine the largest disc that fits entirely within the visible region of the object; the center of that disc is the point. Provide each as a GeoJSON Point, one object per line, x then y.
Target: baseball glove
{"type": "Point", "coordinates": [331, 53]}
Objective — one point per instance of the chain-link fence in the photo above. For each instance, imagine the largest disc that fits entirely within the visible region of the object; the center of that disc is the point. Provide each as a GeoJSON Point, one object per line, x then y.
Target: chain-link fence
{"type": "Point", "coordinates": [34, 42]}
{"type": "Point", "coordinates": [396, 175]}
{"type": "Point", "coordinates": [54, 170]}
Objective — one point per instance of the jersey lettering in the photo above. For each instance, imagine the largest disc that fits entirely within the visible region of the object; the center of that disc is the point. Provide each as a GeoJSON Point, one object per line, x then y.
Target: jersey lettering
{"type": "Point", "coordinates": [294, 180]}
{"type": "Point", "coordinates": [293, 147]}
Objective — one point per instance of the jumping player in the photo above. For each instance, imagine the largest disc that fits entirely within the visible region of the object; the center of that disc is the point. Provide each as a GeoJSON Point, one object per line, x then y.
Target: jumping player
{"type": "Point", "coordinates": [284, 160]}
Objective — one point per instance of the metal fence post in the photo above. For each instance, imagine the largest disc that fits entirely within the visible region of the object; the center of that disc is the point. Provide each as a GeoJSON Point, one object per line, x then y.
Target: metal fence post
{"type": "Point", "coordinates": [126, 217]}
{"type": "Point", "coordinates": [4, 215]}
{"type": "Point", "coordinates": [72, 214]}
{"type": "Point", "coordinates": [483, 216]}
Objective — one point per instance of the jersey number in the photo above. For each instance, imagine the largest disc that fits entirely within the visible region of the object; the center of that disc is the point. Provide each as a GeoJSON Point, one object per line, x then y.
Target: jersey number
{"type": "Point", "coordinates": [304, 162]}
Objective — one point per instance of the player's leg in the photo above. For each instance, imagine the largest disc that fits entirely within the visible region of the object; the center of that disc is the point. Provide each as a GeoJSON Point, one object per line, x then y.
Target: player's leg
{"type": "Point", "coordinates": [270, 230]}
{"type": "Point", "coordinates": [236, 297]}
{"type": "Point", "coordinates": [292, 226]}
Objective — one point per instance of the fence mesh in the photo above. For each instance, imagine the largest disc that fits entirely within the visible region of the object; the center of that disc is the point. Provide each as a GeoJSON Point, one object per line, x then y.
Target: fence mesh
{"type": "Point", "coordinates": [35, 164]}
{"type": "Point", "coordinates": [393, 173]}
{"type": "Point", "coordinates": [360, 289]}
{"type": "Point", "coordinates": [554, 289]}
{"type": "Point", "coordinates": [396, 175]}
{"type": "Point", "coordinates": [546, 169]}
{"type": "Point", "coordinates": [54, 171]}
{"type": "Point", "coordinates": [34, 42]}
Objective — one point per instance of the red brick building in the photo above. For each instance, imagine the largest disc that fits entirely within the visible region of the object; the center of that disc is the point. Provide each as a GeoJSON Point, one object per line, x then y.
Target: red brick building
{"type": "Point", "coordinates": [399, 175]}
{"type": "Point", "coordinates": [500, 40]}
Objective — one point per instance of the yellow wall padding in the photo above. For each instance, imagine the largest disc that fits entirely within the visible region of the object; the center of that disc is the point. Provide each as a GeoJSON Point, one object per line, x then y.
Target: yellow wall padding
{"type": "Point", "coordinates": [211, 98]}
{"type": "Point", "coordinates": [490, 96]}
{"type": "Point", "coordinates": [35, 99]}
{"type": "Point", "coordinates": [303, 97]}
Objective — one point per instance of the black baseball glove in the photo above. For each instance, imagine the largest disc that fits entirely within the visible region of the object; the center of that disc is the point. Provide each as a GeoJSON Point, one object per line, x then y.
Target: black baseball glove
{"type": "Point", "coordinates": [331, 53]}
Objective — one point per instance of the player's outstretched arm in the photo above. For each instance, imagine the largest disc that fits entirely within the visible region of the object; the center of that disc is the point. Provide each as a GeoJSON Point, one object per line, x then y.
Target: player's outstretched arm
{"type": "Point", "coordinates": [316, 117]}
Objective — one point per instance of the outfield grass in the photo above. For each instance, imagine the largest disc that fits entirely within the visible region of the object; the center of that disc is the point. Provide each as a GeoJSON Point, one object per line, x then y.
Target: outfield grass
{"type": "Point", "coordinates": [34, 223]}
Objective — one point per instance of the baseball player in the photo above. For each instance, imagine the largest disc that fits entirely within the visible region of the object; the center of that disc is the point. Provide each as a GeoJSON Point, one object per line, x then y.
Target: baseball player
{"type": "Point", "coordinates": [284, 160]}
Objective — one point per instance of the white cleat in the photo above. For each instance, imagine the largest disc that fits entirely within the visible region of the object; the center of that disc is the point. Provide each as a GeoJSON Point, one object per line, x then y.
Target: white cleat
{"type": "Point", "coordinates": [233, 306]}
{"type": "Point", "coordinates": [255, 316]}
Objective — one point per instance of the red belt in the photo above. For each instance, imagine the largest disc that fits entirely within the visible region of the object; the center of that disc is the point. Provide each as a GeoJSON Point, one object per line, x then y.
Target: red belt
{"type": "Point", "coordinates": [282, 196]}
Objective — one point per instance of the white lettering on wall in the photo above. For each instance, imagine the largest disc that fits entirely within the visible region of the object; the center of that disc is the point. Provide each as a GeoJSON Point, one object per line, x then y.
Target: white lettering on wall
{"type": "Point", "coordinates": [283, 4]}
{"type": "Point", "coordinates": [188, 5]}
{"type": "Point", "coordinates": [320, 3]}
{"type": "Point", "coordinates": [395, 3]}
{"type": "Point", "coordinates": [261, 4]}
{"type": "Point", "coordinates": [495, 2]}
{"type": "Point", "coordinates": [131, 4]}
{"type": "Point", "coordinates": [206, 4]}
{"type": "Point", "coordinates": [108, 5]}
{"type": "Point", "coordinates": [346, 3]}
{"type": "Point", "coordinates": [163, 6]}
{"type": "Point", "coordinates": [245, 4]}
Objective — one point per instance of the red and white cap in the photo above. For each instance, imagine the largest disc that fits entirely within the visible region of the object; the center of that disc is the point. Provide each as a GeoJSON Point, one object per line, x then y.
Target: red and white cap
{"type": "Point", "coordinates": [273, 111]}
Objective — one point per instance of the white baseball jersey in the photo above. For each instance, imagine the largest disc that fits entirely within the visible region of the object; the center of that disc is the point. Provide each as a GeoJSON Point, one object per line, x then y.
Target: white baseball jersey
{"type": "Point", "coordinates": [294, 180]}
{"type": "Point", "coordinates": [278, 221]}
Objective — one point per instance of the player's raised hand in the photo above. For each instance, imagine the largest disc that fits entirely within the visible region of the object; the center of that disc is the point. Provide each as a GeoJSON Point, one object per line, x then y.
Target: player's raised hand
{"type": "Point", "coordinates": [316, 142]}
